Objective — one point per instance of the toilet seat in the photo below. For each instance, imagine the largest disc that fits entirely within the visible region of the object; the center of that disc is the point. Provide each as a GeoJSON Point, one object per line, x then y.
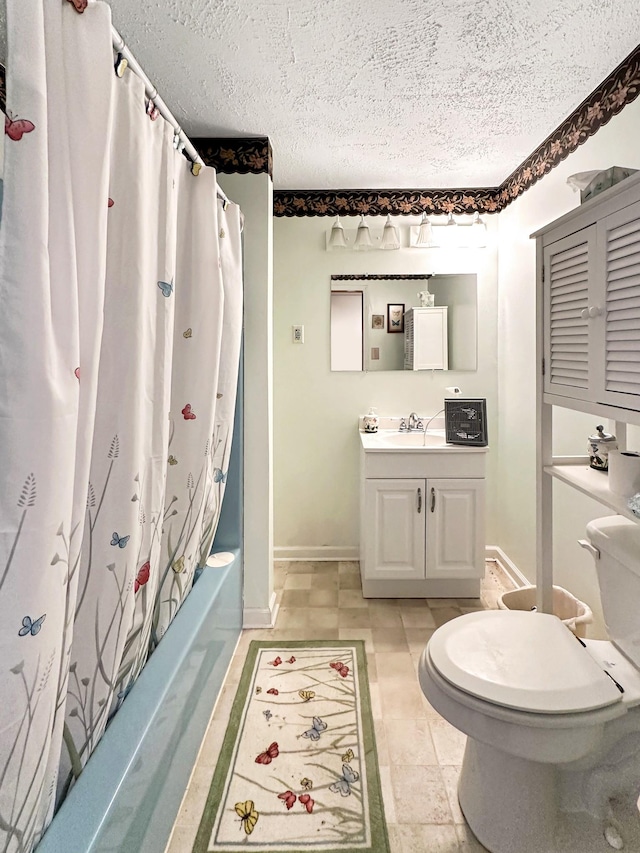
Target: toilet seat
{"type": "Point", "coordinates": [520, 660]}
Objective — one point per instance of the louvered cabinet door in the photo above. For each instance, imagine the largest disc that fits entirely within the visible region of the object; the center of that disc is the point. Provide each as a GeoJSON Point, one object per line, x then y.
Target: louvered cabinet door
{"type": "Point", "coordinates": [568, 293]}
{"type": "Point", "coordinates": [616, 330]}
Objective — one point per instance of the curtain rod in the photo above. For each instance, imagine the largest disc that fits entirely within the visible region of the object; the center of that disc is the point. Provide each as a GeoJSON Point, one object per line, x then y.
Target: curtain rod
{"type": "Point", "coordinates": [150, 90]}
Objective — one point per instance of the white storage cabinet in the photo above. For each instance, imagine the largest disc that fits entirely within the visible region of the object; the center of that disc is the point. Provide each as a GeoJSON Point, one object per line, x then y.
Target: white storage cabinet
{"type": "Point", "coordinates": [426, 340]}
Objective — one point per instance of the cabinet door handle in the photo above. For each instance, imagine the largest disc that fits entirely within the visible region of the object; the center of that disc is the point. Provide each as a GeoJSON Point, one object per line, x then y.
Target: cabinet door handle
{"type": "Point", "coordinates": [595, 311]}
{"type": "Point", "coordinates": [419, 500]}
{"type": "Point", "coordinates": [433, 500]}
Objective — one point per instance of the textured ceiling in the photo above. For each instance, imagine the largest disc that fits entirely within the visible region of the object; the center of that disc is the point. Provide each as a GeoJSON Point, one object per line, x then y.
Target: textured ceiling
{"type": "Point", "coordinates": [380, 93]}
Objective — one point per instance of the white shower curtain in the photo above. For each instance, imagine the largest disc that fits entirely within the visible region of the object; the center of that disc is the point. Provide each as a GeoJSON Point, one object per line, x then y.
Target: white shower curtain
{"type": "Point", "coordinates": [113, 298]}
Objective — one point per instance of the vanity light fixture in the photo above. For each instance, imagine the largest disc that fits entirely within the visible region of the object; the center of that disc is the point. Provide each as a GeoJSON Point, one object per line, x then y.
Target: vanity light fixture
{"type": "Point", "coordinates": [336, 238]}
{"type": "Point", "coordinates": [424, 237]}
{"type": "Point", "coordinates": [363, 237]}
{"type": "Point", "coordinates": [390, 236]}
{"type": "Point", "coordinates": [478, 231]}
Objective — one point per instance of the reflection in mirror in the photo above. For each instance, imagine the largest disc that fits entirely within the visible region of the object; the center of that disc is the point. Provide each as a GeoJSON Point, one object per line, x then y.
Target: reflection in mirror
{"type": "Point", "coordinates": [365, 334]}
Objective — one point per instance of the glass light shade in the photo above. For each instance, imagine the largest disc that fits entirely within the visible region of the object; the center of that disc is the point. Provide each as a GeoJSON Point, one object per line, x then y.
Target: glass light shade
{"type": "Point", "coordinates": [390, 238]}
{"type": "Point", "coordinates": [478, 231]}
{"type": "Point", "coordinates": [425, 234]}
{"type": "Point", "coordinates": [336, 238]}
{"type": "Point", "coordinates": [363, 237]}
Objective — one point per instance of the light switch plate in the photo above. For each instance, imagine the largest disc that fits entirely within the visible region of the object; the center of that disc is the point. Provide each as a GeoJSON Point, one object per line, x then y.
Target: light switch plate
{"type": "Point", "coordinates": [298, 334]}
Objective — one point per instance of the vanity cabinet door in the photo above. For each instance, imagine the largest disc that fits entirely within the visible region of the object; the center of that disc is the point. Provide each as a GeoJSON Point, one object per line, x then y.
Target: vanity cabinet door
{"type": "Point", "coordinates": [394, 529]}
{"type": "Point", "coordinates": [455, 528]}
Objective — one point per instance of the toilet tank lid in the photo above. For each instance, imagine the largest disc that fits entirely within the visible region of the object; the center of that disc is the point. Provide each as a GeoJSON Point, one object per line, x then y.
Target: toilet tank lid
{"type": "Point", "coordinates": [617, 537]}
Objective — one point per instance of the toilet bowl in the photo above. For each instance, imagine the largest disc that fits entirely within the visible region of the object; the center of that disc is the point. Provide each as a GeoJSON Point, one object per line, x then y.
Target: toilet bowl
{"type": "Point", "coordinates": [552, 762]}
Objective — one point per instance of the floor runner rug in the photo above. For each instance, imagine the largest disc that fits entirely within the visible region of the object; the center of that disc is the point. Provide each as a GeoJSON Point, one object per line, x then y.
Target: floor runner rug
{"type": "Point", "coordinates": [298, 770]}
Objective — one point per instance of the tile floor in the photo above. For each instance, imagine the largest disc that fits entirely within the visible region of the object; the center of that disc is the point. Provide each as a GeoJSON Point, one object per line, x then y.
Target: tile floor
{"type": "Point", "coordinates": [419, 753]}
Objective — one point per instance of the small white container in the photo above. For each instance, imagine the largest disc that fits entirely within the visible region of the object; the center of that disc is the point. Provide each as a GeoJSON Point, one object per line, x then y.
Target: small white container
{"type": "Point", "coordinates": [624, 472]}
{"type": "Point", "coordinates": [575, 614]}
{"type": "Point", "coordinates": [371, 421]}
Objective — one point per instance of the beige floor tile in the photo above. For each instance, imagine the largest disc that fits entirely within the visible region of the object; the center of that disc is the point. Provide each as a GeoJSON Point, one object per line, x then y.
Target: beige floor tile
{"type": "Point", "coordinates": [418, 603]}
{"type": "Point", "coordinates": [292, 617]}
{"type": "Point", "coordinates": [442, 602]}
{"type": "Point", "coordinates": [299, 581]}
{"type": "Point", "coordinates": [382, 748]}
{"type": "Point", "coordinates": [394, 666]}
{"type": "Point", "coordinates": [349, 567]}
{"type": "Point", "coordinates": [409, 742]}
{"type": "Point", "coordinates": [294, 597]}
{"type": "Point", "coordinates": [358, 634]}
{"type": "Point", "coordinates": [323, 597]}
{"type": "Point", "coordinates": [210, 749]}
{"type": "Point", "coordinates": [451, 775]}
{"type": "Point", "coordinates": [350, 581]}
{"type": "Point", "coordinates": [280, 564]}
{"type": "Point", "coordinates": [395, 845]}
{"type": "Point", "coordinates": [428, 838]}
{"type": "Point", "coordinates": [300, 567]}
{"type": "Point", "coordinates": [417, 638]}
{"type": "Point", "coordinates": [376, 705]}
{"type": "Point", "coordinates": [389, 639]}
{"type": "Point", "coordinates": [351, 598]}
{"type": "Point", "coordinates": [445, 614]}
{"type": "Point", "coordinates": [388, 798]}
{"type": "Point", "coordinates": [182, 839]}
{"type": "Point", "coordinates": [414, 617]}
{"type": "Point", "coordinates": [404, 704]}
{"type": "Point", "coordinates": [448, 741]}
{"type": "Point", "coordinates": [384, 615]}
{"type": "Point", "coordinates": [354, 617]}
{"type": "Point", "coordinates": [195, 797]}
{"type": "Point", "coordinates": [468, 842]}
{"type": "Point", "coordinates": [419, 795]}
{"type": "Point", "coordinates": [372, 669]}
{"type": "Point", "coordinates": [322, 619]}
{"type": "Point", "coordinates": [328, 580]}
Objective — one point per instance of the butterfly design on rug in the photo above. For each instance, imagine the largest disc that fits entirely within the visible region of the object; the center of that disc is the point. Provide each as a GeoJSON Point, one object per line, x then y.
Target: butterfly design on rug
{"type": "Point", "coordinates": [178, 566]}
{"type": "Point", "coordinates": [276, 662]}
{"type": "Point", "coordinates": [316, 729]}
{"type": "Point", "coordinates": [31, 626]}
{"type": "Point", "coordinates": [343, 785]}
{"type": "Point", "coordinates": [16, 128]}
{"type": "Point", "coordinates": [120, 541]}
{"type": "Point", "coordinates": [307, 802]}
{"type": "Point", "coordinates": [218, 476]}
{"type": "Point", "coordinates": [291, 659]}
{"type": "Point", "coordinates": [172, 460]}
{"type": "Point", "coordinates": [306, 784]}
{"type": "Point", "coordinates": [273, 691]}
{"type": "Point", "coordinates": [248, 815]}
{"type": "Point", "coordinates": [267, 715]}
{"type": "Point", "coordinates": [143, 576]}
{"type": "Point", "coordinates": [187, 414]}
{"type": "Point", "coordinates": [289, 799]}
{"type": "Point", "coordinates": [306, 695]}
{"type": "Point", "coordinates": [348, 756]}
{"type": "Point", "coordinates": [166, 287]}
{"type": "Point", "coordinates": [340, 667]}
{"type": "Point", "coordinates": [269, 754]}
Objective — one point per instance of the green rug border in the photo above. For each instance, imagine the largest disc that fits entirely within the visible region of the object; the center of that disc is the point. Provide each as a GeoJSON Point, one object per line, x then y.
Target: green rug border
{"type": "Point", "coordinates": [378, 824]}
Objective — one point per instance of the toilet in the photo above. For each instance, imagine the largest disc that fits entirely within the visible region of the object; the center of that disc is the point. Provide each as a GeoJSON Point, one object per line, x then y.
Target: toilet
{"type": "Point", "coordinates": [552, 761]}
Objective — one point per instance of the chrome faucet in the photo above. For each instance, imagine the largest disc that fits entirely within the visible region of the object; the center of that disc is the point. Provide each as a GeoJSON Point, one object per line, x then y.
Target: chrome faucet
{"type": "Point", "coordinates": [412, 423]}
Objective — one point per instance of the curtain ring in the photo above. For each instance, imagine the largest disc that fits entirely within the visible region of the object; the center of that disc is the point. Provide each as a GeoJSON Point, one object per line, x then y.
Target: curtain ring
{"type": "Point", "coordinates": [195, 169]}
{"type": "Point", "coordinates": [120, 65]}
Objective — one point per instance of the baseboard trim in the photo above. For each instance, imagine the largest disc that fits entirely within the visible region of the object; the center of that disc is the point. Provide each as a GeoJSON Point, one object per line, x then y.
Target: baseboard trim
{"type": "Point", "coordinates": [494, 552]}
{"type": "Point", "coordinates": [317, 553]}
{"type": "Point", "coordinates": [261, 617]}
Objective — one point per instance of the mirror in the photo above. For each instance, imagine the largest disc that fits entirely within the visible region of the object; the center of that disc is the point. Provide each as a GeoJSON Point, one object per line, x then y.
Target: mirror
{"type": "Point", "coordinates": [368, 323]}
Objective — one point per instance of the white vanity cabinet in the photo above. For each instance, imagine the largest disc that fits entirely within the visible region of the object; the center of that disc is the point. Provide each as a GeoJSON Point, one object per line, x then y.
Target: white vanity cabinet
{"type": "Point", "coordinates": [422, 522]}
{"type": "Point", "coordinates": [426, 340]}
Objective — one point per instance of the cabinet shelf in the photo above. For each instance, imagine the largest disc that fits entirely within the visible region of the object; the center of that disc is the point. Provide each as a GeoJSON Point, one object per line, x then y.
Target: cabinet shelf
{"type": "Point", "coordinates": [592, 483]}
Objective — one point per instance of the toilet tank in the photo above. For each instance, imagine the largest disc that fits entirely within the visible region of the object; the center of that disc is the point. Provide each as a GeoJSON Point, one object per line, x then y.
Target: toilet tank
{"type": "Point", "coordinates": [618, 541]}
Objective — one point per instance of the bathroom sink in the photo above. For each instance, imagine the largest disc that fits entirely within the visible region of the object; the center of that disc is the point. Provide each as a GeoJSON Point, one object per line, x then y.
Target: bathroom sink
{"type": "Point", "coordinates": [414, 439]}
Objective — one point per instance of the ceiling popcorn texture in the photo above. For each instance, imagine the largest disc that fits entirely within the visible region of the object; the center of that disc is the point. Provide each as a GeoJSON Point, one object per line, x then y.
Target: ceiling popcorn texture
{"type": "Point", "coordinates": [379, 93]}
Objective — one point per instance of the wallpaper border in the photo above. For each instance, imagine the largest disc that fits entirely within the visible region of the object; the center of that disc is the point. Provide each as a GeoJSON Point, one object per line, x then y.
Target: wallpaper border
{"type": "Point", "coordinates": [620, 88]}
{"type": "Point", "coordinates": [233, 155]}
